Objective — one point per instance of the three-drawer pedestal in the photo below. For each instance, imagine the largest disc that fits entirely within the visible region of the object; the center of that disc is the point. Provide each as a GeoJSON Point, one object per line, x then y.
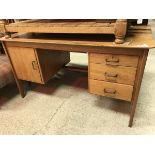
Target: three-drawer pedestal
{"type": "Point", "coordinates": [117, 73]}
{"type": "Point", "coordinates": [112, 75]}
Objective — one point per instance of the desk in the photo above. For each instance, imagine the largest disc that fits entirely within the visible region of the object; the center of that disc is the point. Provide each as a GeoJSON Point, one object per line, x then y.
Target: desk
{"type": "Point", "coordinates": [114, 70]}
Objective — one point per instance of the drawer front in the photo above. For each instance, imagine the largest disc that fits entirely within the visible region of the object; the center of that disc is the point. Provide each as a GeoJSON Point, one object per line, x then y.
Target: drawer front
{"type": "Point", "coordinates": [113, 90]}
{"type": "Point", "coordinates": [117, 74]}
{"type": "Point", "coordinates": [114, 60]}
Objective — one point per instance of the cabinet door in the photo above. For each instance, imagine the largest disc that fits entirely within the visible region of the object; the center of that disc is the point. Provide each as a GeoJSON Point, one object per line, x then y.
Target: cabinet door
{"type": "Point", "coordinates": [25, 63]}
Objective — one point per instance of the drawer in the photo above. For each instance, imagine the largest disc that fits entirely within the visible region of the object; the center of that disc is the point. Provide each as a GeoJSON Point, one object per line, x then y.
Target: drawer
{"type": "Point", "coordinates": [113, 59]}
{"type": "Point", "coordinates": [118, 74]}
{"type": "Point", "coordinates": [113, 90]}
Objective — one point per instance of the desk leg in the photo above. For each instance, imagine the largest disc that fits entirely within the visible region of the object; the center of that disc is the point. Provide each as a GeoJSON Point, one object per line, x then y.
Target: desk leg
{"type": "Point", "coordinates": [20, 87]}
{"type": "Point", "coordinates": [18, 82]}
{"type": "Point", "coordinates": [138, 80]}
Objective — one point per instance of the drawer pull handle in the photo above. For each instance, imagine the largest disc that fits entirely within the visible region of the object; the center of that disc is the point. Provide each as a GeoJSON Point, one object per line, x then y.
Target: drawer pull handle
{"type": "Point", "coordinates": [112, 61]}
{"type": "Point", "coordinates": [34, 65]}
{"type": "Point", "coordinates": [111, 76]}
{"type": "Point", "coordinates": [109, 92]}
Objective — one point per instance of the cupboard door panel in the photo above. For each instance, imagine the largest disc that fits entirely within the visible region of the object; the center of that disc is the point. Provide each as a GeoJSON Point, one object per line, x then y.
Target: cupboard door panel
{"type": "Point", "coordinates": [25, 63]}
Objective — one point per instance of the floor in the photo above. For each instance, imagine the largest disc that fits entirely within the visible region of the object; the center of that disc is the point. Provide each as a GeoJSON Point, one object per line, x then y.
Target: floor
{"type": "Point", "coordinates": [64, 106]}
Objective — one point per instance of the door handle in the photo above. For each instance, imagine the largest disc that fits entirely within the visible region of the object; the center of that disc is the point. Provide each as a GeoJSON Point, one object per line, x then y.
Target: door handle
{"type": "Point", "coordinates": [34, 65]}
{"type": "Point", "coordinates": [109, 92]}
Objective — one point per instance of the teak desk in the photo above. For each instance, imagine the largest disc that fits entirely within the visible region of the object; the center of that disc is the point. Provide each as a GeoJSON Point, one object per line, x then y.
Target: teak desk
{"type": "Point", "coordinates": [114, 70]}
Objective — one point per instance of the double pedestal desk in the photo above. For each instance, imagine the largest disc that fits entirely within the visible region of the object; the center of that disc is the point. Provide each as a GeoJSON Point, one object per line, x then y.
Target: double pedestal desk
{"type": "Point", "coordinates": [114, 70]}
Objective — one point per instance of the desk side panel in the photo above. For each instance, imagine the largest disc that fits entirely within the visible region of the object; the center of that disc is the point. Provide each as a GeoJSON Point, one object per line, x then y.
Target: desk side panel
{"type": "Point", "coordinates": [51, 61]}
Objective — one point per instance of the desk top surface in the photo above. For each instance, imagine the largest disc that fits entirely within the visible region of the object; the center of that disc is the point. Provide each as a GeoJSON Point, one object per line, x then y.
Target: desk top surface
{"type": "Point", "coordinates": [137, 37]}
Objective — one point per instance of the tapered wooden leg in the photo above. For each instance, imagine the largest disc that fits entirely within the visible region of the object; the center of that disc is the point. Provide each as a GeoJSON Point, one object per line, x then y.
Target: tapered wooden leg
{"type": "Point", "coordinates": [18, 82]}
{"type": "Point", "coordinates": [132, 111]}
{"type": "Point", "coordinates": [138, 80]}
{"type": "Point", "coordinates": [20, 87]}
{"type": "Point", "coordinates": [120, 30]}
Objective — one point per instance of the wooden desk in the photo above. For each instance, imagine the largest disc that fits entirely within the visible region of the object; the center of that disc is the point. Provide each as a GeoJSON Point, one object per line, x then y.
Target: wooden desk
{"type": "Point", "coordinates": [114, 70]}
